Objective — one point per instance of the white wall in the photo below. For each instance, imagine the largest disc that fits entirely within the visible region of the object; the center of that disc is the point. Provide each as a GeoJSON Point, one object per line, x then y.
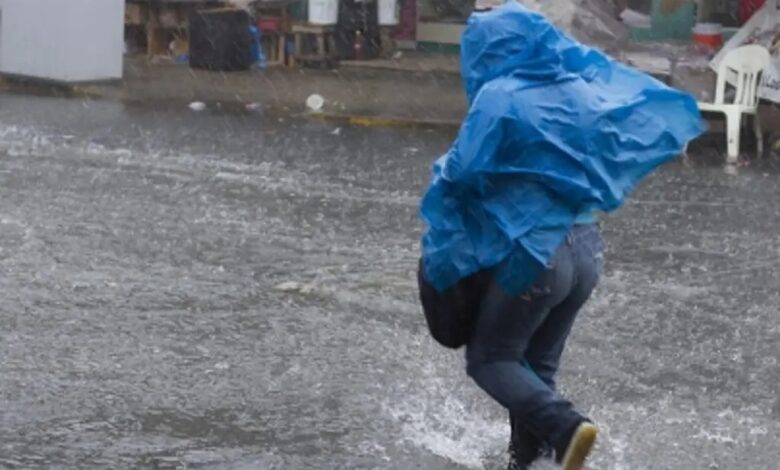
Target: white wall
{"type": "Point", "coordinates": [63, 40]}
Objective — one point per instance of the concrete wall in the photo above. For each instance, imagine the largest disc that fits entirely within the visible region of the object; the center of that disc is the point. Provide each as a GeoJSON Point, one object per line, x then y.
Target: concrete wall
{"type": "Point", "coordinates": [68, 41]}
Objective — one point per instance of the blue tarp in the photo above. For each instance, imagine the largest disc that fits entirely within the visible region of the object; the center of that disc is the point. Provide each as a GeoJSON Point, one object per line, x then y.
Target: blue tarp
{"type": "Point", "coordinates": [555, 129]}
{"type": "Point", "coordinates": [258, 58]}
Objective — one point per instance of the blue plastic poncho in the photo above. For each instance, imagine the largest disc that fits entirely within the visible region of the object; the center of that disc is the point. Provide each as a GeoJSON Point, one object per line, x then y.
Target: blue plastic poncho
{"type": "Point", "coordinates": [555, 129]}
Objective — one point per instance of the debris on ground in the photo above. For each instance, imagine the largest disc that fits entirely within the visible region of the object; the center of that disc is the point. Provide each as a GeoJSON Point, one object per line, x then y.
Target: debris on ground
{"type": "Point", "coordinates": [314, 103]}
{"type": "Point", "coordinates": [591, 22]}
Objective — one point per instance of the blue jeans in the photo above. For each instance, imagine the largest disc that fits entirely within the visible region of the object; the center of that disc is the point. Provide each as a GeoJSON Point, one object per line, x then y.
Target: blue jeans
{"type": "Point", "coordinates": [518, 339]}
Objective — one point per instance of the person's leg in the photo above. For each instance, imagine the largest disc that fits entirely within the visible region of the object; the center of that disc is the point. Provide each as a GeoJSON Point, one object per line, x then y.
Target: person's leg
{"type": "Point", "coordinates": [547, 344]}
{"type": "Point", "coordinates": [546, 347]}
{"type": "Point", "coordinates": [524, 447]}
{"type": "Point", "coordinates": [505, 326]}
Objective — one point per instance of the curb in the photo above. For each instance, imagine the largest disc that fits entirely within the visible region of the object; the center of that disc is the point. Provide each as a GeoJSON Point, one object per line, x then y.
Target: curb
{"type": "Point", "coordinates": [55, 90]}
{"type": "Point", "coordinates": [384, 121]}
{"type": "Point", "coordinates": [86, 92]}
{"type": "Point", "coordinates": [350, 65]}
{"type": "Point", "coordinates": [100, 93]}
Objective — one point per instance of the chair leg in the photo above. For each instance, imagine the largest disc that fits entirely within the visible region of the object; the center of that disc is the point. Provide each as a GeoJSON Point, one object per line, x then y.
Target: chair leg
{"type": "Point", "coordinates": [281, 49]}
{"type": "Point", "coordinates": [331, 46]}
{"type": "Point", "coordinates": [759, 135]}
{"type": "Point", "coordinates": [298, 45]}
{"type": "Point", "coordinates": [686, 158]}
{"type": "Point", "coordinates": [321, 52]}
{"type": "Point", "coordinates": [733, 128]}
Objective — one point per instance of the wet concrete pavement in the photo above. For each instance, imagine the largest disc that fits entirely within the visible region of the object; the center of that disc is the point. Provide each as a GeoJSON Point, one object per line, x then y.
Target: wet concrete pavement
{"type": "Point", "coordinates": [417, 96]}
{"type": "Point", "coordinates": [232, 290]}
{"type": "Point", "coordinates": [415, 92]}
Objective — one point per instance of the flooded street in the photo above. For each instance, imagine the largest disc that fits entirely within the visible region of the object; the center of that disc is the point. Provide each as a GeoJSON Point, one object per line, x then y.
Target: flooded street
{"type": "Point", "coordinates": [227, 290]}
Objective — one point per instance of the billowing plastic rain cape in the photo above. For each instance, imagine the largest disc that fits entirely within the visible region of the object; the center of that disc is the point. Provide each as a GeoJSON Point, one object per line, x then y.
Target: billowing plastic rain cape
{"type": "Point", "coordinates": [555, 129]}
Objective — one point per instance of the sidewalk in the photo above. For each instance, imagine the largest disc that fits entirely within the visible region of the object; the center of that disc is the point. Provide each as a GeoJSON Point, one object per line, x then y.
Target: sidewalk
{"type": "Point", "coordinates": [389, 96]}
{"type": "Point", "coordinates": [411, 61]}
{"type": "Point", "coordinates": [409, 91]}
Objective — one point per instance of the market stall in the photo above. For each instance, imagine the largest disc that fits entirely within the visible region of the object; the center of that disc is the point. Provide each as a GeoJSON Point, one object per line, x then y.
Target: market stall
{"type": "Point", "coordinates": [291, 31]}
{"type": "Point", "coordinates": [161, 27]}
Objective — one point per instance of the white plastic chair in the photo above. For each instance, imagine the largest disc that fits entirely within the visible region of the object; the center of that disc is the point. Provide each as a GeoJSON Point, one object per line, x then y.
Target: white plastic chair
{"type": "Point", "coordinates": [744, 67]}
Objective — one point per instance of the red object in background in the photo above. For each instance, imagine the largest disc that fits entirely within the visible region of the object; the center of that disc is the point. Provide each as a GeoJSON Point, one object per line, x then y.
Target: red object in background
{"type": "Point", "coordinates": [708, 35]}
{"type": "Point", "coordinates": [708, 40]}
{"type": "Point", "coordinates": [406, 30]}
{"type": "Point", "coordinates": [359, 45]}
{"type": "Point", "coordinates": [747, 8]}
{"type": "Point", "coordinates": [269, 24]}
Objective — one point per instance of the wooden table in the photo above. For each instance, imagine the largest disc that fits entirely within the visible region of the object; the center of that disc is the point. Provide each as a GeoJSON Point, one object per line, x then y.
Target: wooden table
{"type": "Point", "coordinates": [276, 48]}
{"type": "Point", "coordinates": [164, 21]}
{"type": "Point", "coordinates": [324, 51]}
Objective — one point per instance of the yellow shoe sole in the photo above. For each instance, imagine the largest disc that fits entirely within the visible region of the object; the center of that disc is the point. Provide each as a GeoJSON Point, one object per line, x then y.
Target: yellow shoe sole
{"type": "Point", "coordinates": [580, 446]}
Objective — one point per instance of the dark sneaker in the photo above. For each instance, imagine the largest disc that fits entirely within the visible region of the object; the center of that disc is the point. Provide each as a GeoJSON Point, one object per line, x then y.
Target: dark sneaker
{"type": "Point", "coordinates": [522, 455]}
{"type": "Point", "coordinates": [524, 447]}
{"type": "Point", "coordinates": [573, 451]}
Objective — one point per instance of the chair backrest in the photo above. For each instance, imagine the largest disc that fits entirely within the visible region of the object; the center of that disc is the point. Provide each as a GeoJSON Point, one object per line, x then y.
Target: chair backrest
{"type": "Point", "coordinates": [745, 68]}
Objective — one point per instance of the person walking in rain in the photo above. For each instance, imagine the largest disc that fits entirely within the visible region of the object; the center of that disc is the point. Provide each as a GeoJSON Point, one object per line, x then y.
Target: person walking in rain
{"type": "Point", "coordinates": [555, 132]}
